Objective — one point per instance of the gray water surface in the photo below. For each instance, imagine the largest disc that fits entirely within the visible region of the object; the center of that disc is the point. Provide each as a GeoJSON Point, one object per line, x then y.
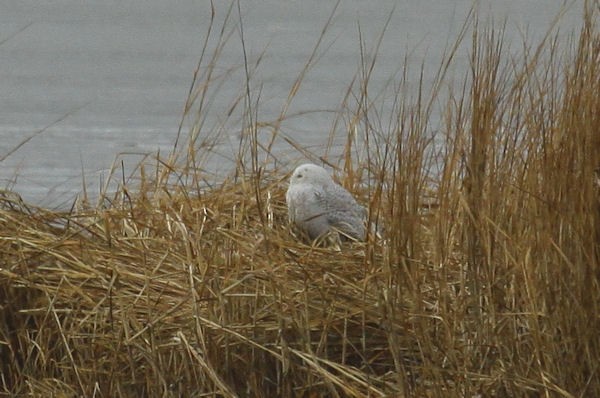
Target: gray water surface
{"type": "Point", "coordinates": [95, 82]}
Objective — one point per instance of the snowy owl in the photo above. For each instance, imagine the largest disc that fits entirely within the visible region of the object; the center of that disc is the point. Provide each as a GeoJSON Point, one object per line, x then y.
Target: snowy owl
{"type": "Point", "coordinates": [317, 205]}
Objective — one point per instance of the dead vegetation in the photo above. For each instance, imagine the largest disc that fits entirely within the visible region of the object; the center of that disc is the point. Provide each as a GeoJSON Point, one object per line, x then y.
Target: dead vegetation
{"type": "Point", "coordinates": [486, 284]}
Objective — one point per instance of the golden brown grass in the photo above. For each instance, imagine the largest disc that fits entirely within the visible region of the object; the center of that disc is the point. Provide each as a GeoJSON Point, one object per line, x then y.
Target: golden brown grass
{"type": "Point", "coordinates": [486, 284]}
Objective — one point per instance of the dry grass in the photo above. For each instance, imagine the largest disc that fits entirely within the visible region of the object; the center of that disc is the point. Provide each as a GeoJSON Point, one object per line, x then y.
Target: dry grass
{"type": "Point", "coordinates": [486, 284]}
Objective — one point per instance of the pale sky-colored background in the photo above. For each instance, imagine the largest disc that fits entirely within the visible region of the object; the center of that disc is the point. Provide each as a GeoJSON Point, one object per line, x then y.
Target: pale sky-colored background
{"type": "Point", "coordinates": [118, 72]}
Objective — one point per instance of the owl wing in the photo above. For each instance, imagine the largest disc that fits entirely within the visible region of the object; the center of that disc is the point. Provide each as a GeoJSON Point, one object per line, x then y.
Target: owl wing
{"type": "Point", "coordinates": [343, 212]}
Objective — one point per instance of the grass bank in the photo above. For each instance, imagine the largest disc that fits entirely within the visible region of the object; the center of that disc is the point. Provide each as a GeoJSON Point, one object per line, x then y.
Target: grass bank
{"type": "Point", "coordinates": [487, 281]}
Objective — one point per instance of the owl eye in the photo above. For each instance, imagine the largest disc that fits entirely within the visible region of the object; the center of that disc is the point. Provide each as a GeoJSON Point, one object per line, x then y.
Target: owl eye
{"type": "Point", "coordinates": [299, 176]}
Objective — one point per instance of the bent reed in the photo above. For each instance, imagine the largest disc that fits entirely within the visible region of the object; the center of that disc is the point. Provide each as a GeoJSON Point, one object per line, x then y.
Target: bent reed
{"type": "Point", "coordinates": [486, 282]}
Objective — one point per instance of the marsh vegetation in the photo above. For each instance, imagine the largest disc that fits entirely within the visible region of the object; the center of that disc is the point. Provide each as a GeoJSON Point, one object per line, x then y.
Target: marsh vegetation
{"type": "Point", "coordinates": [486, 282]}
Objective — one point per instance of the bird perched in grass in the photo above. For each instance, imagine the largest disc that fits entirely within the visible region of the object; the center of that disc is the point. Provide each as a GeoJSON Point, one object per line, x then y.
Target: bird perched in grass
{"type": "Point", "coordinates": [319, 207]}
